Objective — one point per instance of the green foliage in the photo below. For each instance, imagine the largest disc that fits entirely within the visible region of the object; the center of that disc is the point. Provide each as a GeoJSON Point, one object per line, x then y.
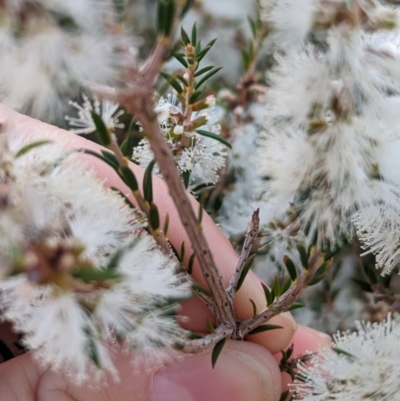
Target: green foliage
{"type": "Point", "coordinates": [31, 146]}
{"type": "Point", "coordinates": [264, 327]}
{"type": "Point", "coordinates": [217, 351]}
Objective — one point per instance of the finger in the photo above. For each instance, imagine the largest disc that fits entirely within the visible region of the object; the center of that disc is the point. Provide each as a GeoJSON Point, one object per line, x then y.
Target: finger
{"type": "Point", "coordinates": [305, 340]}
{"type": "Point", "coordinates": [243, 372]}
{"type": "Point", "coordinates": [224, 255]}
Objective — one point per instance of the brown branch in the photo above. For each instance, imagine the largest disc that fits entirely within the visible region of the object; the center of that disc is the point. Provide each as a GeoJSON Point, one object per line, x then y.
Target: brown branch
{"type": "Point", "coordinates": [251, 236]}
{"type": "Point", "coordinates": [282, 303]}
{"type": "Point", "coordinates": [201, 344]}
{"type": "Point", "coordinates": [188, 218]}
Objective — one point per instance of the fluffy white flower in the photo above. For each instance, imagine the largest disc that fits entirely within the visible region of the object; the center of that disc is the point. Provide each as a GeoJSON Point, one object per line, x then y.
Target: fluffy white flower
{"type": "Point", "coordinates": [50, 47]}
{"type": "Point", "coordinates": [331, 115]}
{"type": "Point", "coordinates": [291, 19]}
{"type": "Point", "coordinates": [106, 110]}
{"type": "Point", "coordinates": [361, 366]}
{"type": "Point", "coordinates": [71, 226]}
{"type": "Point", "coordinates": [198, 155]}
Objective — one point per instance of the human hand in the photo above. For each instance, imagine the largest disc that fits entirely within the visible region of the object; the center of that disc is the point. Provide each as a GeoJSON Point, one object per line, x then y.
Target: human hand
{"type": "Point", "coordinates": [244, 371]}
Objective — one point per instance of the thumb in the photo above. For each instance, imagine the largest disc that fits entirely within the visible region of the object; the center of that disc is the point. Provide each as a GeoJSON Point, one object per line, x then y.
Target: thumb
{"type": "Point", "coordinates": [243, 372]}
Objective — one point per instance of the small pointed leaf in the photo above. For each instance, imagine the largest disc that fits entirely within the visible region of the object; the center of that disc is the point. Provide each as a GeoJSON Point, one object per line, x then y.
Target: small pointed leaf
{"type": "Point", "coordinates": [217, 351]}
{"type": "Point", "coordinates": [148, 182]}
{"type": "Point", "coordinates": [264, 327]}
{"type": "Point", "coordinates": [217, 137]}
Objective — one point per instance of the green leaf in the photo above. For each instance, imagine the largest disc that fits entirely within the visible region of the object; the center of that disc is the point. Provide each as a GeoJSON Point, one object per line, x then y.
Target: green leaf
{"type": "Point", "coordinates": [207, 77]}
{"type": "Point", "coordinates": [110, 156]}
{"type": "Point", "coordinates": [166, 225]}
{"type": "Point", "coordinates": [184, 36]}
{"type": "Point", "coordinates": [89, 274]}
{"type": "Point", "coordinates": [172, 81]}
{"type": "Point", "coordinates": [199, 288]}
{"type": "Point", "coordinates": [364, 285]}
{"type": "Point", "coordinates": [287, 284]}
{"type": "Point", "coordinates": [166, 13]}
{"type": "Point", "coordinates": [115, 258]}
{"type": "Point", "coordinates": [102, 131]}
{"type": "Point", "coordinates": [217, 351]}
{"type": "Point", "coordinates": [193, 336]}
{"type": "Point", "coordinates": [254, 306]}
{"type": "Point", "coordinates": [264, 327]}
{"type": "Point", "coordinates": [154, 217]}
{"type": "Point", "coordinates": [303, 256]}
{"type": "Point", "coordinates": [268, 295]}
{"type": "Point", "coordinates": [119, 7]}
{"type": "Point", "coordinates": [188, 5]}
{"type": "Point", "coordinates": [253, 26]}
{"type": "Point", "coordinates": [194, 34]}
{"type": "Point", "coordinates": [217, 137]}
{"type": "Point", "coordinates": [296, 305]}
{"type": "Point", "coordinates": [203, 70]}
{"type": "Point", "coordinates": [182, 253]}
{"type": "Point", "coordinates": [210, 326]}
{"type": "Point", "coordinates": [190, 263]}
{"type": "Point", "coordinates": [276, 289]}
{"type": "Point", "coordinates": [129, 178]}
{"type": "Point", "coordinates": [194, 96]}
{"type": "Point", "coordinates": [183, 80]}
{"type": "Point", "coordinates": [181, 58]}
{"type": "Point", "coordinates": [91, 348]}
{"type": "Point", "coordinates": [341, 351]}
{"type": "Point", "coordinates": [101, 157]}
{"type": "Point", "coordinates": [291, 268]}
{"type": "Point", "coordinates": [245, 270]}
{"type": "Point", "coordinates": [245, 59]}
{"type": "Point", "coordinates": [170, 15]}
{"type": "Point", "coordinates": [148, 182]}
{"type": "Point", "coordinates": [200, 55]}
{"type": "Point", "coordinates": [31, 146]}
{"type": "Point", "coordinates": [127, 145]}
{"type": "Point", "coordinates": [186, 178]}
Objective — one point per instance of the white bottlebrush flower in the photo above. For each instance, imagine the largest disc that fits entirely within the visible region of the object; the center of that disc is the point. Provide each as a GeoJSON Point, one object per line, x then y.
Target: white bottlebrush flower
{"type": "Point", "coordinates": [378, 227]}
{"type": "Point", "coordinates": [198, 155]}
{"type": "Point", "coordinates": [105, 109]}
{"type": "Point", "coordinates": [330, 109]}
{"type": "Point", "coordinates": [291, 19]}
{"type": "Point", "coordinates": [71, 226]}
{"type": "Point", "coordinates": [361, 366]}
{"type": "Point", "coordinates": [49, 48]}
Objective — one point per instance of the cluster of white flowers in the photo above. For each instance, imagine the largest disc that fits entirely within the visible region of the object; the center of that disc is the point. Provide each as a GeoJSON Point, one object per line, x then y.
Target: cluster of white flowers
{"type": "Point", "coordinates": [363, 365]}
{"type": "Point", "coordinates": [330, 143]}
{"type": "Point", "coordinates": [50, 47]}
{"type": "Point", "coordinates": [199, 156]}
{"type": "Point", "coordinates": [78, 271]}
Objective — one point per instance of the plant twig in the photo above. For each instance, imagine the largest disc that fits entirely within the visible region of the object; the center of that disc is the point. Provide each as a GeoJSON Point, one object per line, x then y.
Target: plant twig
{"type": "Point", "coordinates": [201, 344]}
{"type": "Point", "coordinates": [283, 303]}
{"type": "Point", "coordinates": [251, 236]}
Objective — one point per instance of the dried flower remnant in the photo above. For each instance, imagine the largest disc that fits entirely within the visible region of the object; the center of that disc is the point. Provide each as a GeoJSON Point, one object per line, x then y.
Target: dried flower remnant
{"type": "Point", "coordinates": [76, 278]}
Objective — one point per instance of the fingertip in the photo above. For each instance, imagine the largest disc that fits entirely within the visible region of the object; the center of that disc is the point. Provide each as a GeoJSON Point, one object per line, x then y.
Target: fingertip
{"type": "Point", "coordinates": [243, 372]}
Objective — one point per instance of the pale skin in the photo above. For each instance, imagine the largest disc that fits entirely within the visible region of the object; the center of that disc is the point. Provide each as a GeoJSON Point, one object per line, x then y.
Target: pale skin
{"type": "Point", "coordinates": [245, 370]}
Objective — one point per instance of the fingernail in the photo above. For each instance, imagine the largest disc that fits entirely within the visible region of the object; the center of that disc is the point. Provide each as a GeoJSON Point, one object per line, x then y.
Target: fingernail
{"type": "Point", "coordinates": [237, 376]}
